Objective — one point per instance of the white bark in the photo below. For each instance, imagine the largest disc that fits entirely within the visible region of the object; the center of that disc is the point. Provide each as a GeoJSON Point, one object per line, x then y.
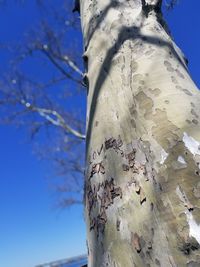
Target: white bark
{"type": "Point", "coordinates": [142, 178]}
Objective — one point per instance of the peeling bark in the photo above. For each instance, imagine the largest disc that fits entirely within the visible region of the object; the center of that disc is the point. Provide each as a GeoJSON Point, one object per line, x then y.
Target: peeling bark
{"type": "Point", "coordinates": [142, 197]}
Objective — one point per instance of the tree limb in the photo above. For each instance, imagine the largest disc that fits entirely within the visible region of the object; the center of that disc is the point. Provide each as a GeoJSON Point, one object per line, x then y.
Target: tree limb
{"type": "Point", "coordinates": [67, 60]}
{"type": "Point", "coordinates": [58, 66]}
{"type": "Point", "coordinates": [57, 121]}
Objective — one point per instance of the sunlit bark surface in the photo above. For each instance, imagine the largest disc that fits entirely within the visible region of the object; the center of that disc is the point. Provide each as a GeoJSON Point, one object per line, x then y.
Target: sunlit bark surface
{"type": "Point", "coordinates": [142, 191]}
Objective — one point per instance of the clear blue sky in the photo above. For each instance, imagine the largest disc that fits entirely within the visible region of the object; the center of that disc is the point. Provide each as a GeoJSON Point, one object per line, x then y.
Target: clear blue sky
{"type": "Point", "coordinates": [32, 231]}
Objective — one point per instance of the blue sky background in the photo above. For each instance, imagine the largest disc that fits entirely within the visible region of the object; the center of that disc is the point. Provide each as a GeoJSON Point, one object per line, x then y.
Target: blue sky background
{"type": "Point", "coordinates": [32, 230]}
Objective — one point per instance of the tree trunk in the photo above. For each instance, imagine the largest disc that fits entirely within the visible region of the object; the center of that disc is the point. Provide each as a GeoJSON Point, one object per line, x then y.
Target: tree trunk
{"type": "Point", "coordinates": [142, 189]}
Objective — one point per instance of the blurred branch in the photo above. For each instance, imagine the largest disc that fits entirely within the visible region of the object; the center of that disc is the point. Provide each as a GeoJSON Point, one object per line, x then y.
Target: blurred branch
{"type": "Point", "coordinates": [49, 115]}
{"type": "Point", "coordinates": [67, 60]}
{"type": "Point", "coordinates": [37, 87]}
{"type": "Point", "coordinates": [170, 4]}
{"type": "Point", "coordinates": [58, 66]}
{"type": "Point", "coordinates": [69, 202]}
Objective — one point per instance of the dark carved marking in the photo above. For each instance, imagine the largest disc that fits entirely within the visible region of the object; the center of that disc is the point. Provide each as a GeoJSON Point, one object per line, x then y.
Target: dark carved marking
{"type": "Point", "coordinates": [92, 197]}
{"type": "Point", "coordinates": [137, 188]}
{"type": "Point", "coordinates": [92, 224]}
{"type": "Point", "coordinates": [90, 162]}
{"type": "Point", "coordinates": [131, 158]}
{"type": "Point", "coordinates": [108, 143]}
{"type": "Point", "coordinates": [142, 196]}
{"type": "Point", "coordinates": [118, 225]}
{"type": "Point", "coordinates": [125, 167]}
{"type": "Point", "coordinates": [114, 143]}
{"type": "Point", "coordinates": [186, 246]}
{"type": "Point", "coordinates": [149, 245]}
{"type": "Point", "coordinates": [97, 168]}
{"type": "Point", "coordinates": [99, 151]}
{"type": "Point", "coordinates": [135, 240]}
{"type": "Point", "coordinates": [94, 155]}
{"type": "Point", "coordinates": [101, 221]}
{"type": "Point", "coordinates": [110, 191]}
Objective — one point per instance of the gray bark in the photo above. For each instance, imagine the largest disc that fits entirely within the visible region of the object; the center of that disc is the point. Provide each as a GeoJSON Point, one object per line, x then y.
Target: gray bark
{"type": "Point", "coordinates": [142, 188]}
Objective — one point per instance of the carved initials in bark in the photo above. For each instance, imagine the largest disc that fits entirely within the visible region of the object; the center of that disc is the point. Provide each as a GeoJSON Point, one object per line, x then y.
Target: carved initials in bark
{"type": "Point", "coordinates": [100, 150]}
{"type": "Point", "coordinates": [115, 144]}
{"type": "Point", "coordinates": [92, 197]}
{"type": "Point", "coordinates": [109, 193]}
{"type": "Point", "coordinates": [132, 164]}
{"type": "Point", "coordinates": [97, 168]}
{"type": "Point", "coordinates": [106, 199]}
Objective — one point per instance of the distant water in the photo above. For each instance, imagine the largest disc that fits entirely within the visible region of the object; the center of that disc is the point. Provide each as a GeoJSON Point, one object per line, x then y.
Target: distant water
{"type": "Point", "coordinates": [77, 263]}
{"type": "Point", "coordinates": [73, 262]}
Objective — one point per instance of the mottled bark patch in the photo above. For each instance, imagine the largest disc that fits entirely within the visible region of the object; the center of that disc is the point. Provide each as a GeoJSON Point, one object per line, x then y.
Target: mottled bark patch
{"type": "Point", "coordinates": [145, 104]}
{"type": "Point", "coordinates": [168, 66]}
{"type": "Point", "coordinates": [195, 121]}
{"type": "Point", "coordinates": [155, 92]}
{"type": "Point", "coordinates": [185, 91]}
{"type": "Point", "coordinates": [174, 80]}
{"type": "Point", "coordinates": [137, 77]}
{"type": "Point", "coordinates": [168, 133]}
{"type": "Point", "coordinates": [196, 190]}
{"type": "Point", "coordinates": [180, 74]}
{"type": "Point", "coordinates": [193, 112]}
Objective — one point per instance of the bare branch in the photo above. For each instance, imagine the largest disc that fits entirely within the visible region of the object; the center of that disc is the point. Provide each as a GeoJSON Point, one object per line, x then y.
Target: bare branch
{"type": "Point", "coordinates": [66, 59]}
{"type": "Point", "coordinates": [49, 115]}
{"type": "Point", "coordinates": [41, 63]}
{"type": "Point", "coordinates": [69, 202]}
{"type": "Point", "coordinates": [58, 66]}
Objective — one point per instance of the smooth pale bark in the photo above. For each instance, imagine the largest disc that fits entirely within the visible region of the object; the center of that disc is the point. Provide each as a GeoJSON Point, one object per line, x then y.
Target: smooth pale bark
{"type": "Point", "coordinates": [142, 191]}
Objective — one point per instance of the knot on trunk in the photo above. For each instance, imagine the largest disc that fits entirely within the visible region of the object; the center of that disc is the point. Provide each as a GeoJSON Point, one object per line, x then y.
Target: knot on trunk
{"type": "Point", "coordinates": [152, 6]}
